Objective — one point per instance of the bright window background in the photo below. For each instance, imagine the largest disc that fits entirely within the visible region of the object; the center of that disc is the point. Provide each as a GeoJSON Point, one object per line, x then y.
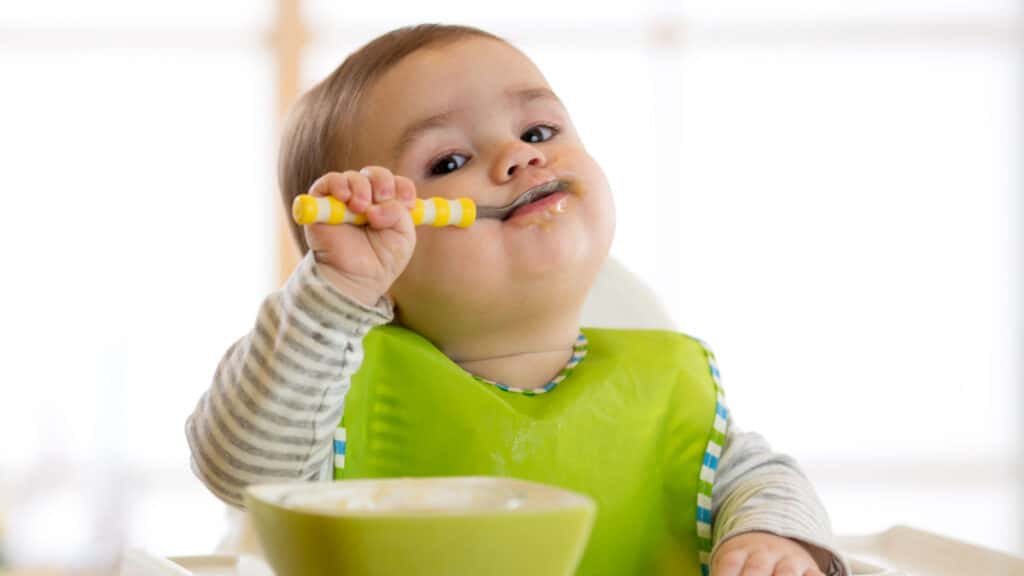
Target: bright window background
{"type": "Point", "coordinates": [829, 193]}
{"type": "Point", "coordinates": [137, 152]}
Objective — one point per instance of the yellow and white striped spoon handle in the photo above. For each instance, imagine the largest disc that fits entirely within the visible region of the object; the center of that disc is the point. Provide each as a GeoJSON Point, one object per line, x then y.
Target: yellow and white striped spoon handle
{"type": "Point", "coordinates": [308, 209]}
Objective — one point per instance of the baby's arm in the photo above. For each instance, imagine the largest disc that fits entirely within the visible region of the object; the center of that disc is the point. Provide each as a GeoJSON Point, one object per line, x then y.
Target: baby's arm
{"type": "Point", "coordinates": [758, 491]}
{"type": "Point", "coordinates": [278, 393]}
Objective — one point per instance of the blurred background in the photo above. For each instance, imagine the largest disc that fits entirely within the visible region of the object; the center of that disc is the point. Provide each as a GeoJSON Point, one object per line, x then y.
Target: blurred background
{"type": "Point", "coordinates": [829, 193]}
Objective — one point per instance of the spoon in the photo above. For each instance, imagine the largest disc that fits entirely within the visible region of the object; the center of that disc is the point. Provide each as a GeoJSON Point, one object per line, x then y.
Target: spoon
{"type": "Point", "coordinates": [436, 211]}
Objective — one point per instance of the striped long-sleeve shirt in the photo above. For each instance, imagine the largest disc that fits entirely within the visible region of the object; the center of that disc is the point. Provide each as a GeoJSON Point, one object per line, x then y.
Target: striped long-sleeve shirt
{"type": "Point", "coordinates": [279, 393]}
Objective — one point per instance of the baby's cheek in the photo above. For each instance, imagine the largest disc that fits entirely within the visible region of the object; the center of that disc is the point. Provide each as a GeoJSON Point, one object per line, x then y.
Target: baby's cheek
{"type": "Point", "coordinates": [464, 253]}
{"type": "Point", "coordinates": [595, 197]}
{"type": "Point", "coordinates": [445, 256]}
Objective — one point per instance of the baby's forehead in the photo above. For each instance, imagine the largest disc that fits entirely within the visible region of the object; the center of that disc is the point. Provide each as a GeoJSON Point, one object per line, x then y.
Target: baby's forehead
{"type": "Point", "coordinates": [471, 68]}
{"type": "Point", "coordinates": [435, 84]}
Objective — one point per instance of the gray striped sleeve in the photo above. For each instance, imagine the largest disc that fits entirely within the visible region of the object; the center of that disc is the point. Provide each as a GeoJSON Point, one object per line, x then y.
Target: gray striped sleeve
{"type": "Point", "coordinates": [759, 490]}
{"type": "Point", "coordinates": [279, 392]}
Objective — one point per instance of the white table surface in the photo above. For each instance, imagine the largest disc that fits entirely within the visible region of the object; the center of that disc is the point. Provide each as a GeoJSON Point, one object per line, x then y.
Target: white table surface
{"type": "Point", "coordinates": [899, 551]}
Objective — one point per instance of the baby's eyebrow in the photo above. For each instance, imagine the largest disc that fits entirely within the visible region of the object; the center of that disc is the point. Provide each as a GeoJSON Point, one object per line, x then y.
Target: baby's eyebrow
{"type": "Point", "coordinates": [417, 128]}
{"type": "Point", "coordinates": [525, 95]}
{"type": "Point", "coordinates": [414, 130]}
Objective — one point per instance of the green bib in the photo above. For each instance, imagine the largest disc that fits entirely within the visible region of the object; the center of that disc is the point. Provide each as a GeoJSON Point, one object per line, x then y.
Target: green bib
{"type": "Point", "coordinates": [638, 426]}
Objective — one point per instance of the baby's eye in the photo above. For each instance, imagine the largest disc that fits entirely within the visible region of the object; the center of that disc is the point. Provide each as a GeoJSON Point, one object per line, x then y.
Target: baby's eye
{"type": "Point", "coordinates": [539, 133]}
{"type": "Point", "coordinates": [448, 164]}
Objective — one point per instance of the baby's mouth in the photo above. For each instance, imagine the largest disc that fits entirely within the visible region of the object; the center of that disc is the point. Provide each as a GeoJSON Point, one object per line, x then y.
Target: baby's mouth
{"type": "Point", "coordinates": [527, 200]}
{"type": "Point", "coordinates": [544, 202]}
{"type": "Point", "coordinates": [544, 190]}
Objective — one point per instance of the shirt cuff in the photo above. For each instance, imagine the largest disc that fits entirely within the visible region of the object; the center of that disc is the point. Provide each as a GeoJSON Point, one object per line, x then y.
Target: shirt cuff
{"type": "Point", "coordinates": [309, 286]}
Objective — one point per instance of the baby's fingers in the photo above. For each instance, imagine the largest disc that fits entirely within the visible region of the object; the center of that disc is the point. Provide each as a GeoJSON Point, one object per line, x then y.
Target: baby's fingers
{"type": "Point", "coordinates": [759, 563]}
{"type": "Point", "coordinates": [361, 191]}
{"type": "Point", "coordinates": [789, 567]}
{"type": "Point", "coordinates": [405, 191]}
{"type": "Point", "coordinates": [390, 215]}
{"type": "Point", "coordinates": [729, 563]}
{"type": "Point", "coordinates": [796, 567]}
{"type": "Point", "coordinates": [382, 182]}
{"type": "Point", "coordinates": [349, 187]}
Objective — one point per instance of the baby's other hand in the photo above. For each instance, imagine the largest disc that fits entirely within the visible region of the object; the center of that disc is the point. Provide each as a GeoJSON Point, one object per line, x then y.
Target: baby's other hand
{"type": "Point", "coordinates": [363, 261]}
{"type": "Point", "coordinates": [763, 554]}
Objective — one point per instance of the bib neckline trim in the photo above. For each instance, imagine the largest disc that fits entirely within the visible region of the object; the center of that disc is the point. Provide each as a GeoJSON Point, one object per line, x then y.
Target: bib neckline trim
{"type": "Point", "coordinates": [579, 352]}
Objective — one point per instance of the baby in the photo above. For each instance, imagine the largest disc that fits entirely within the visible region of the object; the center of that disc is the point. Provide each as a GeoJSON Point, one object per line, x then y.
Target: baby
{"type": "Point", "coordinates": [444, 351]}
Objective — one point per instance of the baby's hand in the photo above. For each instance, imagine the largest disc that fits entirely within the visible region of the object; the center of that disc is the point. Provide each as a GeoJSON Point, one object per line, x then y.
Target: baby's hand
{"type": "Point", "coordinates": [363, 261]}
{"type": "Point", "coordinates": [763, 554]}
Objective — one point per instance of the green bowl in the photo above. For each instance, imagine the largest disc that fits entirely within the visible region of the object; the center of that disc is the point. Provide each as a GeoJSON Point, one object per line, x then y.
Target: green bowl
{"type": "Point", "coordinates": [428, 526]}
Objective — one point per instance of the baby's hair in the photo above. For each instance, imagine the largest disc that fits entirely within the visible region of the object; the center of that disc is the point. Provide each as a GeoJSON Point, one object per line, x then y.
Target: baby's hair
{"type": "Point", "coordinates": [315, 138]}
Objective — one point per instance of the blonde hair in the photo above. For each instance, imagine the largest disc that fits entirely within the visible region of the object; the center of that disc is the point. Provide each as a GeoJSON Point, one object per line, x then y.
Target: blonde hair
{"type": "Point", "coordinates": [315, 139]}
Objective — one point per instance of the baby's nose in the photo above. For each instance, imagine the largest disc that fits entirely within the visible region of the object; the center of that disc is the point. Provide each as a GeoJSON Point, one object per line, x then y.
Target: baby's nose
{"type": "Point", "coordinates": [516, 156]}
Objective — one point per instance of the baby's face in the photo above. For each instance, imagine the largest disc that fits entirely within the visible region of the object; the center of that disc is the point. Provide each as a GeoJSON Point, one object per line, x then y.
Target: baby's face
{"type": "Point", "coordinates": [477, 119]}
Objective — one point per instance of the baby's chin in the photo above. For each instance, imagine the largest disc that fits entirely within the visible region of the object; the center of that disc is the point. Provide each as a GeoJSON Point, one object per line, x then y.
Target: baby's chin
{"type": "Point", "coordinates": [507, 309]}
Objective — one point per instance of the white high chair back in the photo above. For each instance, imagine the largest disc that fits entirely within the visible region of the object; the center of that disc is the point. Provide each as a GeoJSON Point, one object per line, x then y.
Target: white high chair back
{"type": "Point", "coordinates": [621, 299]}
